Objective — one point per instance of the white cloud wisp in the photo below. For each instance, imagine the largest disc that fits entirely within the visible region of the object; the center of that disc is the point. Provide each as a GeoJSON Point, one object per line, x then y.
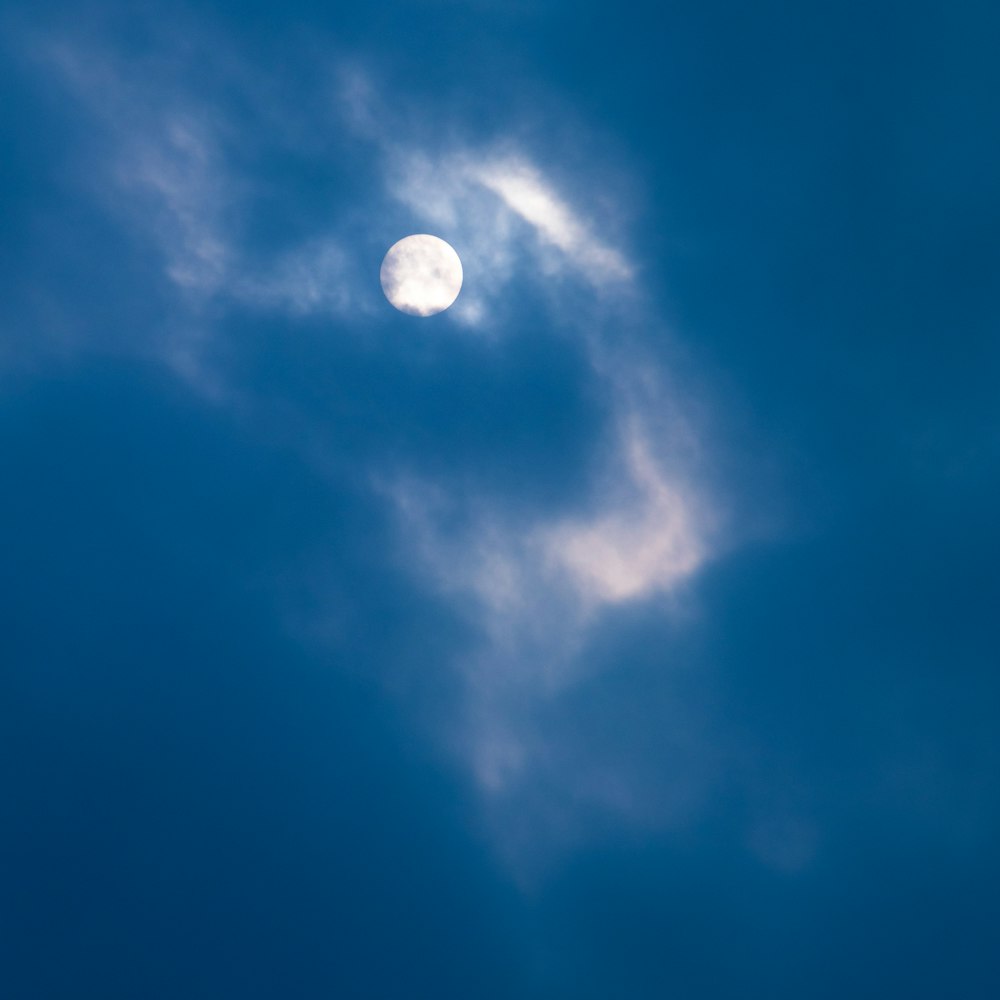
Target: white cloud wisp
{"type": "Point", "coordinates": [535, 582]}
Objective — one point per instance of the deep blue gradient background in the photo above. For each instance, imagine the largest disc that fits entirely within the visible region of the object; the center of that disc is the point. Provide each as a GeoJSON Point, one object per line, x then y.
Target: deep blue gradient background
{"type": "Point", "coordinates": [196, 802]}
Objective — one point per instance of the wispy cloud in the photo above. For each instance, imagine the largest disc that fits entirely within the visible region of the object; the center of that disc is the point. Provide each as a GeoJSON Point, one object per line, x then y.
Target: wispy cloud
{"type": "Point", "coordinates": [645, 539]}
{"type": "Point", "coordinates": [171, 178]}
{"type": "Point", "coordinates": [526, 192]}
{"type": "Point", "coordinates": [539, 586]}
{"type": "Point", "coordinates": [537, 583]}
{"type": "Point", "coordinates": [177, 173]}
{"type": "Point", "coordinates": [538, 589]}
{"type": "Point", "coordinates": [503, 213]}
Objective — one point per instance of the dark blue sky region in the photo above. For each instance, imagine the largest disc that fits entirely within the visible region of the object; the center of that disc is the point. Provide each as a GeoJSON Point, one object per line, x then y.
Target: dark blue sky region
{"type": "Point", "coordinates": [627, 630]}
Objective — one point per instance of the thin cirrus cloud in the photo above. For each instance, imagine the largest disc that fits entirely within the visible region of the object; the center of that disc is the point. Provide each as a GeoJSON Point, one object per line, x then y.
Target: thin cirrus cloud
{"type": "Point", "coordinates": [643, 543]}
{"type": "Point", "coordinates": [164, 167]}
{"type": "Point", "coordinates": [537, 583]}
{"type": "Point", "coordinates": [525, 192]}
{"type": "Point", "coordinates": [503, 211]}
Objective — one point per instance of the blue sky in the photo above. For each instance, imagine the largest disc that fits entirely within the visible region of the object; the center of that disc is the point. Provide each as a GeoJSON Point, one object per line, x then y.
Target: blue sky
{"type": "Point", "coordinates": [626, 630]}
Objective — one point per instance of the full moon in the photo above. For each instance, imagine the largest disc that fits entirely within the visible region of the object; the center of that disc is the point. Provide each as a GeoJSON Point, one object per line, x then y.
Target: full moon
{"type": "Point", "coordinates": [421, 275]}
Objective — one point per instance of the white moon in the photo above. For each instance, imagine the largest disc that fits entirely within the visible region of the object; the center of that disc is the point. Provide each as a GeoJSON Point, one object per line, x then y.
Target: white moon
{"type": "Point", "coordinates": [421, 275]}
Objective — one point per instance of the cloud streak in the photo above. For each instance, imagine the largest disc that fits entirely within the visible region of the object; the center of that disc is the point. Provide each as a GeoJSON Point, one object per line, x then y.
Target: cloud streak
{"type": "Point", "coordinates": [536, 583]}
{"type": "Point", "coordinates": [526, 193]}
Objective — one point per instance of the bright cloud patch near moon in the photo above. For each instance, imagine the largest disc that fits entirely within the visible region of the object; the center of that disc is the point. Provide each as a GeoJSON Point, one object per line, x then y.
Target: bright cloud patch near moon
{"type": "Point", "coordinates": [421, 275]}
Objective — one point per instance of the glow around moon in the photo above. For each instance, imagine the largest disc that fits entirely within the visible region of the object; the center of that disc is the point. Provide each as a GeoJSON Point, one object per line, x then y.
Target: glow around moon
{"type": "Point", "coordinates": [421, 275]}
